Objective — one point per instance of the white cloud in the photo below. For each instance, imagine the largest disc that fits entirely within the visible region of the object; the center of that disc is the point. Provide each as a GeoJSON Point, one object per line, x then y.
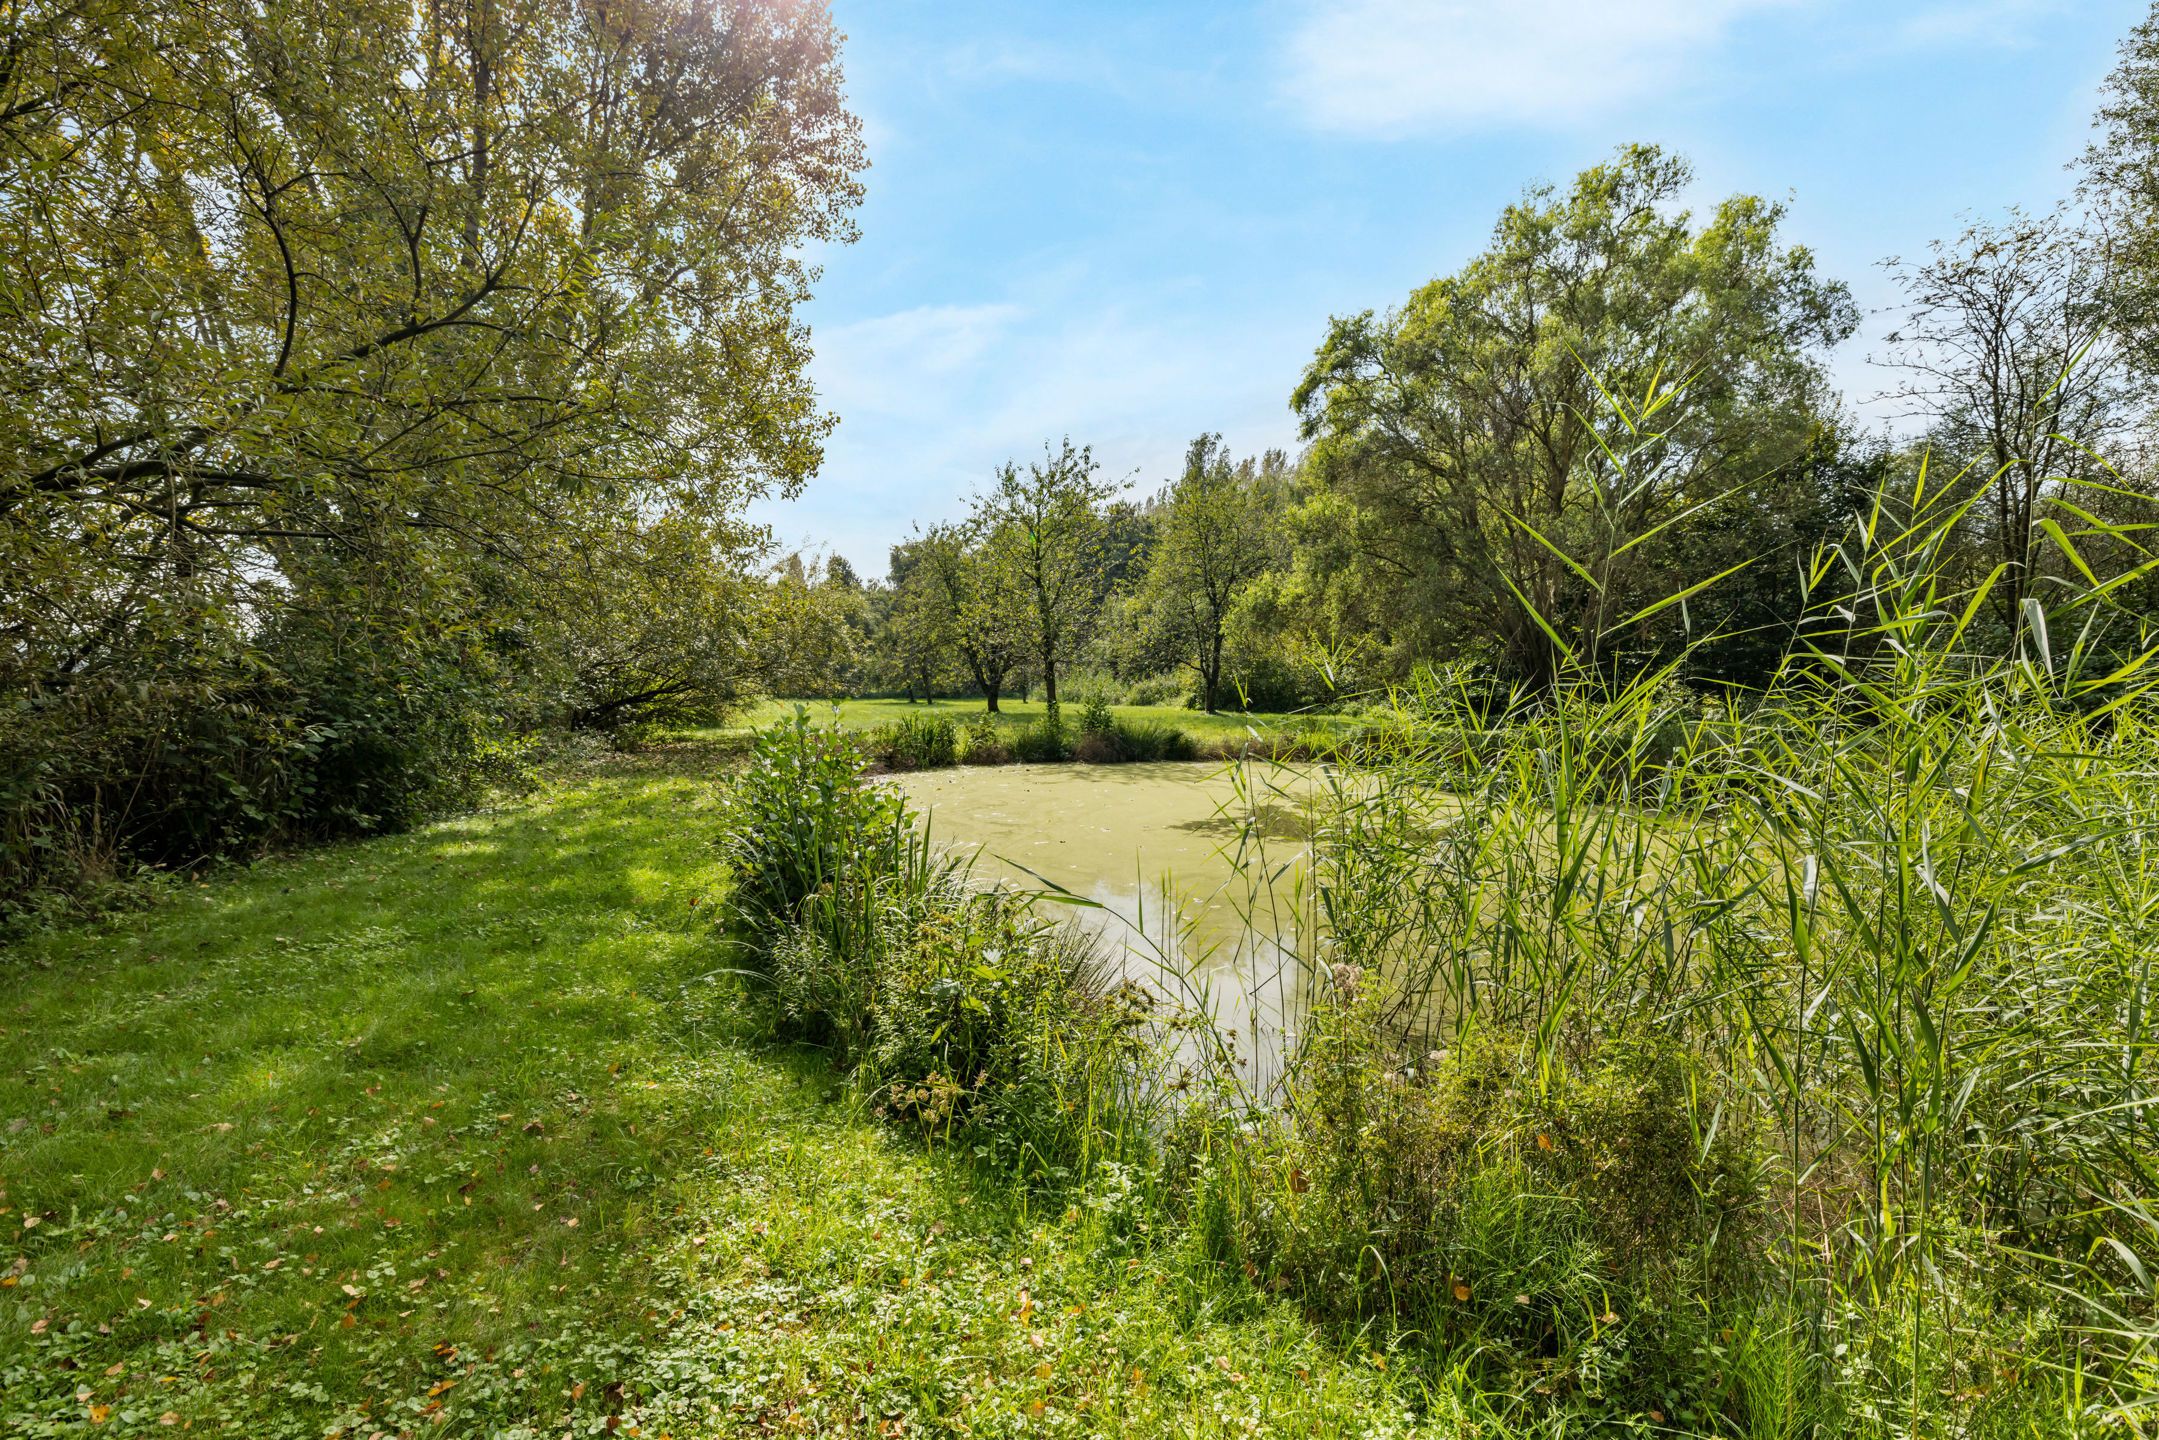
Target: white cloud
{"type": "Point", "coordinates": [1394, 67]}
{"type": "Point", "coordinates": [1982, 22]}
{"type": "Point", "coordinates": [880, 364]}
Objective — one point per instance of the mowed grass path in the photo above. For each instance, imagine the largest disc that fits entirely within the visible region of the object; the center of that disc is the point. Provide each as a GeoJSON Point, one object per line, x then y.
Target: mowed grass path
{"type": "Point", "coordinates": [870, 714]}
{"type": "Point", "coordinates": [456, 1133]}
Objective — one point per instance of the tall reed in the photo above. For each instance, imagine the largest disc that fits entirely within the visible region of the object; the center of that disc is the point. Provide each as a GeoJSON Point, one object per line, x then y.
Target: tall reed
{"type": "Point", "coordinates": [1901, 908]}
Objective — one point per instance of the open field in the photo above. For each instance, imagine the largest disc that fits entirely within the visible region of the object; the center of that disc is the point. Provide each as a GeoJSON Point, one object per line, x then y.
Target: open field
{"type": "Point", "coordinates": [451, 1129]}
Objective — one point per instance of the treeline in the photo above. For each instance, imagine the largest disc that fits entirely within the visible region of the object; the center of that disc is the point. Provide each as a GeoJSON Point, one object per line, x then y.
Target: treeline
{"type": "Point", "coordinates": [1608, 442]}
{"type": "Point", "coordinates": [385, 382]}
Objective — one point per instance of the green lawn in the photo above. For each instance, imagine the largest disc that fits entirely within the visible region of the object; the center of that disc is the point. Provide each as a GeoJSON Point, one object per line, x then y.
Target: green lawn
{"type": "Point", "coordinates": [869, 714]}
{"type": "Point", "coordinates": [457, 1133]}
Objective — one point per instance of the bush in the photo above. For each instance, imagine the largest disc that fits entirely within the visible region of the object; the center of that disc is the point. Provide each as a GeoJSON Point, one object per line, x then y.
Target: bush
{"type": "Point", "coordinates": [983, 744]}
{"type": "Point", "coordinates": [1568, 1226]}
{"type": "Point", "coordinates": [1154, 740]}
{"type": "Point", "coordinates": [1170, 688]}
{"type": "Point", "coordinates": [959, 1012]}
{"type": "Point", "coordinates": [1096, 717]}
{"type": "Point", "coordinates": [1041, 742]}
{"type": "Point", "coordinates": [918, 742]}
{"type": "Point", "coordinates": [213, 747]}
{"type": "Point", "coordinates": [801, 816]}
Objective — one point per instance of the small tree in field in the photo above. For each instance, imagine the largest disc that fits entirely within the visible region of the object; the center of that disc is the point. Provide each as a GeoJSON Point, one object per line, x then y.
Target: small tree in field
{"type": "Point", "coordinates": [1044, 533]}
{"type": "Point", "coordinates": [969, 607]}
{"type": "Point", "coordinates": [1211, 543]}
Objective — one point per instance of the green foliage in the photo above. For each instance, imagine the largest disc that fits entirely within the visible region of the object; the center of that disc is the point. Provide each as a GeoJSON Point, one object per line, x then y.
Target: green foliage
{"type": "Point", "coordinates": [740, 1240]}
{"type": "Point", "coordinates": [1043, 534]}
{"type": "Point", "coordinates": [341, 457]}
{"type": "Point", "coordinates": [918, 742]}
{"type": "Point", "coordinates": [1043, 741]}
{"type": "Point", "coordinates": [961, 1013]}
{"type": "Point", "coordinates": [1648, 363]}
{"type": "Point", "coordinates": [1096, 717]}
{"type": "Point", "coordinates": [1560, 1225]}
{"type": "Point", "coordinates": [312, 728]}
{"type": "Point", "coordinates": [983, 743]}
{"type": "Point", "coordinates": [647, 622]}
{"type": "Point", "coordinates": [801, 818]}
{"type": "Point", "coordinates": [1213, 539]}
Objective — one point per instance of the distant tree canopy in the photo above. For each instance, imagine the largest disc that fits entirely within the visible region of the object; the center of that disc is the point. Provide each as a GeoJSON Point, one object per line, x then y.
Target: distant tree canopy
{"type": "Point", "coordinates": [1211, 542]}
{"type": "Point", "coordinates": [1607, 442]}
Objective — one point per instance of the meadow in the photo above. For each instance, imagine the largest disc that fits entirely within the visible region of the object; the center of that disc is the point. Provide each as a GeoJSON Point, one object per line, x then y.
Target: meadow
{"type": "Point", "coordinates": [468, 1132]}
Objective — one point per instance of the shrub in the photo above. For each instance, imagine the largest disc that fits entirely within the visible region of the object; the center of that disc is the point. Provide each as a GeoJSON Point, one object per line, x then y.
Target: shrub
{"type": "Point", "coordinates": [801, 816]}
{"type": "Point", "coordinates": [983, 744]}
{"type": "Point", "coordinates": [210, 747]}
{"type": "Point", "coordinates": [918, 742]}
{"type": "Point", "coordinates": [1042, 741]}
{"type": "Point", "coordinates": [1096, 717]}
{"type": "Point", "coordinates": [1154, 740]}
{"type": "Point", "coordinates": [1572, 1219]}
{"type": "Point", "coordinates": [1170, 688]}
{"type": "Point", "coordinates": [959, 1011]}
{"type": "Point", "coordinates": [998, 1029]}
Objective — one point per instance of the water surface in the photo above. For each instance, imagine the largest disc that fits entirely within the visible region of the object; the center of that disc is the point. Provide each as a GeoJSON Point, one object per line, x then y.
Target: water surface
{"type": "Point", "coordinates": [1193, 869]}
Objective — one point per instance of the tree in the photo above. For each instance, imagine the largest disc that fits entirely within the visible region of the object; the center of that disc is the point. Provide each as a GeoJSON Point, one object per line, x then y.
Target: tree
{"type": "Point", "coordinates": [1497, 448]}
{"type": "Point", "coordinates": [917, 638]}
{"type": "Point", "coordinates": [976, 606]}
{"type": "Point", "coordinates": [1044, 532]}
{"type": "Point", "coordinates": [809, 630]}
{"type": "Point", "coordinates": [323, 318]}
{"type": "Point", "coordinates": [649, 622]}
{"type": "Point", "coordinates": [2012, 355]}
{"type": "Point", "coordinates": [2121, 180]}
{"type": "Point", "coordinates": [1210, 544]}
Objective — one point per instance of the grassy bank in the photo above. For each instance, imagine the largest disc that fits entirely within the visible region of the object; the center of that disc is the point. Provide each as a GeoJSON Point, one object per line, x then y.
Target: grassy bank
{"type": "Point", "coordinates": [1013, 715]}
{"type": "Point", "coordinates": [451, 1129]}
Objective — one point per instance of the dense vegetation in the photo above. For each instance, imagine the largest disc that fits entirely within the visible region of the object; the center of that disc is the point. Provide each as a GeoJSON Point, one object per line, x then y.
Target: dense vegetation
{"type": "Point", "coordinates": [384, 383]}
{"type": "Point", "coordinates": [484, 1147]}
{"type": "Point", "coordinates": [1719, 894]}
{"type": "Point", "coordinates": [1729, 1069]}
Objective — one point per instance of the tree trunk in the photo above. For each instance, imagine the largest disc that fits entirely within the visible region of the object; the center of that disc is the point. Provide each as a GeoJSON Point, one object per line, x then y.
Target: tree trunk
{"type": "Point", "coordinates": [1212, 677]}
{"type": "Point", "coordinates": [1049, 680]}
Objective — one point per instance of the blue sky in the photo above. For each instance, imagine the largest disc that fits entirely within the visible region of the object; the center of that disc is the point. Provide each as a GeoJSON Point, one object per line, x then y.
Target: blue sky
{"type": "Point", "coordinates": [1130, 222]}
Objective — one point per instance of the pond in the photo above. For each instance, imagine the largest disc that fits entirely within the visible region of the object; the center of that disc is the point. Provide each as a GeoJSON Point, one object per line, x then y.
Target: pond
{"type": "Point", "coordinates": [1192, 870]}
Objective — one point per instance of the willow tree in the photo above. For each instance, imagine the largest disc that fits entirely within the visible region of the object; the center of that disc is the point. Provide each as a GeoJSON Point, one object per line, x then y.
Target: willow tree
{"type": "Point", "coordinates": [298, 294]}
{"type": "Point", "coordinates": [1496, 455]}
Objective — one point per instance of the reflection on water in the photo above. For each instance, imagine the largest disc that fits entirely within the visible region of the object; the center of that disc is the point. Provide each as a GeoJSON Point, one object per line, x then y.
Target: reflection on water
{"type": "Point", "coordinates": [1198, 878]}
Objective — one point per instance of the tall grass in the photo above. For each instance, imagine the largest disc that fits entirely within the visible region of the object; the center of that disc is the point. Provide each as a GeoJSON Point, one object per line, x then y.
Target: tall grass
{"type": "Point", "coordinates": [1897, 914]}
